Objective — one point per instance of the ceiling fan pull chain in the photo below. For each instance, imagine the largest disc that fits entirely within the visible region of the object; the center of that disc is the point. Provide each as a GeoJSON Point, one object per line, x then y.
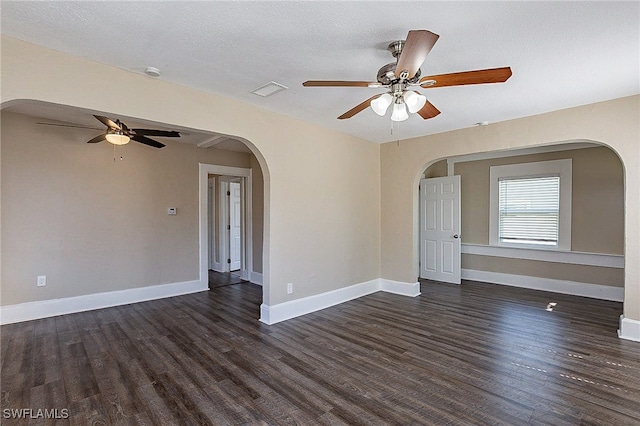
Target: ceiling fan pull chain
{"type": "Point", "coordinates": [114, 154]}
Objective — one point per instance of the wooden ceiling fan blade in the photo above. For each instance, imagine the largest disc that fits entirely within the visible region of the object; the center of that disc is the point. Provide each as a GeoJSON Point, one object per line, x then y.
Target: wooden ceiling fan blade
{"type": "Point", "coordinates": [428, 111]}
{"type": "Point", "coordinates": [416, 48]}
{"type": "Point", "coordinates": [107, 122]}
{"type": "Point", "coordinates": [358, 108]}
{"type": "Point", "coordinates": [147, 141]}
{"type": "Point", "coordinates": [493, 75]}
{"type": "Point", "coordinates": [99, 138]}
{"type": "Point", "coordinates": [339, 83]}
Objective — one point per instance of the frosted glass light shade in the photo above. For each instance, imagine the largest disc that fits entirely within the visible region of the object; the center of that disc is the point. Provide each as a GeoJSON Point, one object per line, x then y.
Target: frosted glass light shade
{"type": "Point", "coordinates": [380, 104]}
{"type": "Point", "coordinates": [117, 139]}
{"type": "Point", "coordinates": [399, 112]}
{"type": "Point", "coordinates": [414, 101]}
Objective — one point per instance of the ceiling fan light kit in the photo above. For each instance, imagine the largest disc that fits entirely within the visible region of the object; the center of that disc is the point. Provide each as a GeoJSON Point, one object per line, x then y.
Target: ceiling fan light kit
{"type": "Point", "coordinates": [380, 104]}
{"type": "Point", "coordinates": [414, 100]}
{"type": "Point", "coordinates": [399, 112]}
{"type": "Point", "coordinates": [117, 138]}
{"type": "Point", "coordinates": [400, 76]}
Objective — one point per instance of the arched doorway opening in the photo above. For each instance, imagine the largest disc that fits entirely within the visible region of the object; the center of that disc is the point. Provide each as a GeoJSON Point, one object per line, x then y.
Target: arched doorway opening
{"type": "Point", "coordinates": [120, 224]}
{"type": "Point", "coordinates": [590, 262]}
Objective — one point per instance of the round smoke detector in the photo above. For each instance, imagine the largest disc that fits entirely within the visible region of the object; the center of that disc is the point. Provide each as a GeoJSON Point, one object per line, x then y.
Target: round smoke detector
{"type": "Point", "coordinates": [152, 72]}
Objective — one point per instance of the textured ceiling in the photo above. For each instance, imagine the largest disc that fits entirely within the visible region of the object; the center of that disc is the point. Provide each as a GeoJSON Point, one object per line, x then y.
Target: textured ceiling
{"type": "Point", "coordinates": [562, 54]}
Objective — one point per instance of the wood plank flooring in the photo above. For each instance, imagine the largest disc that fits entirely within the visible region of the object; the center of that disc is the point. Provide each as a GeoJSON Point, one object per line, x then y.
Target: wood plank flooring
{"type": "Point", "coordinates": [220, 279]}
{"type": "Point", "coordinates": [456, 355]}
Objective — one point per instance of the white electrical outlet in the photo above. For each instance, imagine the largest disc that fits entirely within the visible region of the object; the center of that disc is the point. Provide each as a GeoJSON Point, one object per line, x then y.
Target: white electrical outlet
{"type": "Point", "coordinates": [289, 288]}
{"type": "Point", "coordinates": [42, 280]}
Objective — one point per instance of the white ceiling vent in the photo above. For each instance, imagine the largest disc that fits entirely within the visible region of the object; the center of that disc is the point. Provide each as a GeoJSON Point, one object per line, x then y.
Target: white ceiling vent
{"type": "Point", "coordinates": [269, 89]}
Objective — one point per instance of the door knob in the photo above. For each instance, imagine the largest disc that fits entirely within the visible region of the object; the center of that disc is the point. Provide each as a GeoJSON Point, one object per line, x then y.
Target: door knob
{"type": "Point", "coordinates": [456, 236]}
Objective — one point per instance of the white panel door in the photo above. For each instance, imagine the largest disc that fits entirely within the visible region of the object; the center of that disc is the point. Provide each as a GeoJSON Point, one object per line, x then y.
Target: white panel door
{"type": "Point", "coordinates": [235, 226]}
{"type": "Point", "coordinates": [440, 240]}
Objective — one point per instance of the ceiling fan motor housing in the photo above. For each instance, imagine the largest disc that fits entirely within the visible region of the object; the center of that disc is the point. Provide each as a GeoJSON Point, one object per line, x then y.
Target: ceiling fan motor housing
{"type": "Point", "coordinates": [395, 47]}
{"type": "Point", "coordinates": [386, 75]}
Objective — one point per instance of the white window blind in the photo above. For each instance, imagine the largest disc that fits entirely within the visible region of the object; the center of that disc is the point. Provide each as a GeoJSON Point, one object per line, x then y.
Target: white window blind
{"type": "Point", "coordinates": [529, 210]}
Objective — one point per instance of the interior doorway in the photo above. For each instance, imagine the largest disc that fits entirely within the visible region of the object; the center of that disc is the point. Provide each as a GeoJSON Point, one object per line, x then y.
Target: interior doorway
{"type": "Point", "coordinates": [220, 244]}
{"type": "Point", "coordinates": [592, 265]}
{"type": "Point", "coordinates": [227, 219]}
{"type": "Point", "coordinates": [254, 230]}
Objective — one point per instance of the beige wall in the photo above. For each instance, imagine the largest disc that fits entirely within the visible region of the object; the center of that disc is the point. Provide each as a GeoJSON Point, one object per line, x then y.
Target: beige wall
{"type": "Point", "coordinates": [615, 123]}
{"type": "Point", "coordinates": [551, 270]}
{"type": "Point", "coordinates": [438, 169]}
{"type": "Point", "coordinates": [322, 222]}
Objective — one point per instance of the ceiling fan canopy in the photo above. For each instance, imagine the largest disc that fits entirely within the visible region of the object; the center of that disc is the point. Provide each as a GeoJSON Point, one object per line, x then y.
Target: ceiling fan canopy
{"type": "Point", "coordinates": [399, 77]}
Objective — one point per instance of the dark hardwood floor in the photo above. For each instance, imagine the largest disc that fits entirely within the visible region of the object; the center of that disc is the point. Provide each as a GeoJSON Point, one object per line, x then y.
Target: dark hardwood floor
{"type": "Point", "coordinates": [459, 355]}
{"type": "Point", "coordinates": [221, 279]}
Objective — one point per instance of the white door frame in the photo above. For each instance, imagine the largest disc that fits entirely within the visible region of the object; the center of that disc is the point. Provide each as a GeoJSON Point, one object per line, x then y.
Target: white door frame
{"type": "Point", "coordinates": [209, 169]}
{"type": "Point", "coordinates": [211, 217]}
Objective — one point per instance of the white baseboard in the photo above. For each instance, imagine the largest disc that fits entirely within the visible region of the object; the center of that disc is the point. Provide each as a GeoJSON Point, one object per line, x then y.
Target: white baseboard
{"type": "Point", "coordinates": [295, 308]}
{"type": "Point", "coordinates": [596, 291]}
{"type": "Point", "coordinates": [68, 305]}
{"type": "Point", "coordinates": [255, 277]}
{"type": "Point", "coordinates": [629, 329]}
{"type": "Point", "coordinates": [398, 287]}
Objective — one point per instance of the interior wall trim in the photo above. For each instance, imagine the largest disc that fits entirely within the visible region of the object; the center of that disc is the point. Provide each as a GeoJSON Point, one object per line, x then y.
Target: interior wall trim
{"type": "Point", "coordinates": [272, 314]}
{"type": "Point", "coordinates": [399, 287]}
{"type": "Point", "coordinates": [49, 308]}
{"type": "Point", "coordinates": [556, 256]}
{"type": "Point", "coordinates": [595, 291]}
{"type": "Point", "coordinates": [629, 329]}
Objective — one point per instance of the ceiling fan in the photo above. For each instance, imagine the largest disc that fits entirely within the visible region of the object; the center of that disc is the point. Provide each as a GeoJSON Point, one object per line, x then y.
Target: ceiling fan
{"type": "Point", "coordinates": [118, 133]}
{"type": "Point", "coordinates": [399, 77]}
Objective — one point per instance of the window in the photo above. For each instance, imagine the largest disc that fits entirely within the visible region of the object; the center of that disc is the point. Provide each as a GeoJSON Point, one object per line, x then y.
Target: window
{"type": "Point", "coordinates": [529, 210]}
{"type": "Point", "coordinates": [531, 205]}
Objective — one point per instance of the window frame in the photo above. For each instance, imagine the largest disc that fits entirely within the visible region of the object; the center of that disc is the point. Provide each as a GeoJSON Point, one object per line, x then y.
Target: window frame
{"type": "Point", "coordinates": [561, 168]}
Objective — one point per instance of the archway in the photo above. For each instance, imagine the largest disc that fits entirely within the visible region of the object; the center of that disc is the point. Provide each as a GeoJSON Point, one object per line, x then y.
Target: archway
{"type": "Point", "coordinates": [126, 224]}
{"type": "Point", "coordinates": [594, 264]}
